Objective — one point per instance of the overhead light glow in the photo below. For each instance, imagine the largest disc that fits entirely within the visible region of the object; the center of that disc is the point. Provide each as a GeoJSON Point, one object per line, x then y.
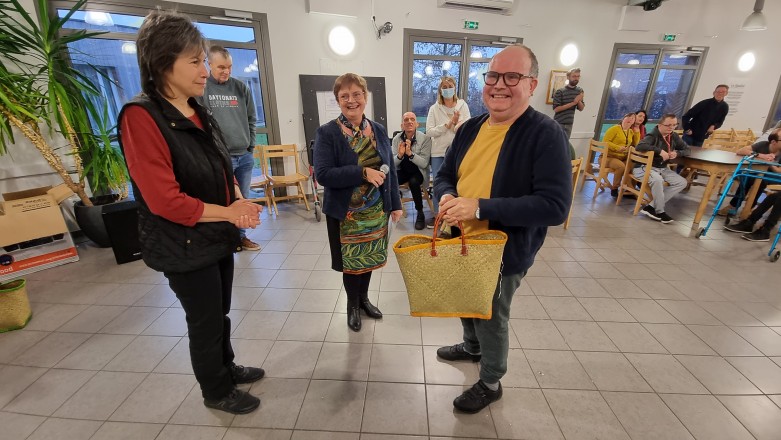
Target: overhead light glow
{"type": "Point", "coordinates": [569, 54]}
{"type": "Point", "coordinates": [98, 18]}
{"type": "Point", "coordinates": [633, 62]}
{"type": "Point", "coordinates": [341, 40]}
{"type": "Point", "coordinates": [746, 61]}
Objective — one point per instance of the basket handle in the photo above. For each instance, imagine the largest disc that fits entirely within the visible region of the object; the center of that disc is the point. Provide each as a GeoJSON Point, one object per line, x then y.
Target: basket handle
{"type": "Point", "coordinates": [437, 222]}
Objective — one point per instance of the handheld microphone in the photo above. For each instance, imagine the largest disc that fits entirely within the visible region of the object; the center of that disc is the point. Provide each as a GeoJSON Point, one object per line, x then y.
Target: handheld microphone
{"type": "Point", "coordinates": [385, 169]}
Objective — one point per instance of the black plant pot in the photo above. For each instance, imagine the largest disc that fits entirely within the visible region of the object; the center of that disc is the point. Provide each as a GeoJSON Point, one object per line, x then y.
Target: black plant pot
{"type": "Point", "coordinates": [90, 219]}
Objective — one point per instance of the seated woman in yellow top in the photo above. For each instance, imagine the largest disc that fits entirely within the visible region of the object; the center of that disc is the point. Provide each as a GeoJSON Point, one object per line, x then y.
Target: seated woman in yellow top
{"type": "Point", "coordinates": [618, 139]}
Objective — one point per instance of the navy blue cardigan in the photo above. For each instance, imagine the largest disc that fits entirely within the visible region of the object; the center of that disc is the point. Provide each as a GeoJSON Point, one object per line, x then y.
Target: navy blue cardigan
{"type": "Point", "coordinates": [531, 187]}
{"type": "Point", "coordinates": [336, 168]}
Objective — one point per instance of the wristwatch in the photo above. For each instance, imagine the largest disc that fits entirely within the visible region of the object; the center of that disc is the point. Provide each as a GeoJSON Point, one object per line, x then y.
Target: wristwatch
{"type": "Point", "coordinates": [477, 213]}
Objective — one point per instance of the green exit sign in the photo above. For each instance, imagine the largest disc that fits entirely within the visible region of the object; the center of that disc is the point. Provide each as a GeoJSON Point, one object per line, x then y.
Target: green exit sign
{"type": "Point", "coordinates": [668, 37]}
{"type": "Point", "coordinates": [471, 24]}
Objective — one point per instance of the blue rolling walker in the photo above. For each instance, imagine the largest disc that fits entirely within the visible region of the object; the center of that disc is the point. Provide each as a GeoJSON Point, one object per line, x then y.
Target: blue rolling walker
{"type": "Point", "coordinates": [744, 171]}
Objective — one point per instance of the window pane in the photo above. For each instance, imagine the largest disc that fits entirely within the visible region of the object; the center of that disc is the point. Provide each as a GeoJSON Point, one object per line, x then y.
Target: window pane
{"type": "Point", "coordinates": [245, 69]}
{"type": "Point", "coordinates": [636, 58]}
{"type": "Point", "coordinates": [474, 96]}
{"type": "Point", "coordinates": [426, 75]}
{"type": "Point", "coordinates": [116, 59]}
{"type": "Point", "coordinates": [102, 21]}
{"type": "Point", "coordinates": [677, 59]}
{"type": "Point", "coordinates": [239, 34]}
{"type": "Point", "coordinates": [484, 51]}
{"type": "Point", "coordinates": [446, 49]}
{"type": "Point", "coordinates": [670, 92]}
{"type": "Point", "coordinates": [627, 92]}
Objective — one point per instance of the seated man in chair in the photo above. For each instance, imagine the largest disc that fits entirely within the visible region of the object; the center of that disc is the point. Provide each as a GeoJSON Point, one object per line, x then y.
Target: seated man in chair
{"type": "Point", "coordinates": [769, 151]}
{"type": "Point", "coordinates": [666, 146]}
{"type": "Point", "coordinates": [413, 152]}
{"type": "Point", "coordinates": [771, 203]}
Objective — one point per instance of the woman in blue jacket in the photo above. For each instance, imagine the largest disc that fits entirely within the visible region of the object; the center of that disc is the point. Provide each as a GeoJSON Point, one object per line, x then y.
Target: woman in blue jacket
{"type": "Point", "coordinates": [353, 161]}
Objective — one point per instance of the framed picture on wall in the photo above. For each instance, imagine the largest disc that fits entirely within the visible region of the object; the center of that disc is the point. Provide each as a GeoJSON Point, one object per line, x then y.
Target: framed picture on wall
{"type": "Point", "coordinates": [558, 79]}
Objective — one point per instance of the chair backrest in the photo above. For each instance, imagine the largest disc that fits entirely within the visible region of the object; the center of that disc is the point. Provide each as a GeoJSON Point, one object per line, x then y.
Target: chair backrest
{"type": "Point", "coordinates": [282, 151]}
{"type": "Point", "coordinates": [260, 162]}
{"type": "Point", "coordinates": [596, 147]}
{"type": "Point", "coordinates": [576, 163]}
{"type": "Point", "coordinates": [637, 157]}
{"type": "Point", "coordinates": [722, 135]}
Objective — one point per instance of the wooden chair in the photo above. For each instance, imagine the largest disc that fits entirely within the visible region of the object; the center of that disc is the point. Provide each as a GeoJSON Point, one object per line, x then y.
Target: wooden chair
{"type": "Point", "coordinates": [598, 175]}
{"type": "Point", "coordinates": [628, 181]}
{"type": "Point", "coordinates": [404, 200]}
{"type": "Point", "coordinates": [294, 178]}
{"type": "Point", "coordinates": [575, 177]}
{"type": "Point", "coordinates": [722, 135]}
{"type": "Point", "coordinates": [715, 144]}
{"type": "Point", "coordinates": [262, 181]}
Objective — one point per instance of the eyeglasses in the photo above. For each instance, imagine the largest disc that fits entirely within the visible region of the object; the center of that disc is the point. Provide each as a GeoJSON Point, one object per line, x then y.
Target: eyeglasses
{"type": "Point", "coordinates": [510, 78]}
{"type": "Point", "coordinates": [355, 96]}
{"type": "Point", "coordinates": [673, 126]}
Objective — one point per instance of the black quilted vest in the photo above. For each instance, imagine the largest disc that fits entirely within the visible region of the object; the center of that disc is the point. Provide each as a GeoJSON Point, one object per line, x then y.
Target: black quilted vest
{"type": "Point", "coordinates": [201, 165]}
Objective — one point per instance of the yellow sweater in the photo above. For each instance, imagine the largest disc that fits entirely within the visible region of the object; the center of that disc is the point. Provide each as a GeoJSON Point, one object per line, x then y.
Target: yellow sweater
{"type": "Point", "coordinates": [476, 172]}
{"type": "Point", "coordinates": [618, 139]}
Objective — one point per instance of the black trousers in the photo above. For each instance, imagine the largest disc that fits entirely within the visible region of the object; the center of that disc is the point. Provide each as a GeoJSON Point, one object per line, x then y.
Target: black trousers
{"type": "Point", "coordinates": [772, 203]}
{"type": "Point", "coordinates": [205, 295]}
{"type": "Point", "coordinates": [414, 178]}
{"type": "Point", "coordinates": [746, 189]}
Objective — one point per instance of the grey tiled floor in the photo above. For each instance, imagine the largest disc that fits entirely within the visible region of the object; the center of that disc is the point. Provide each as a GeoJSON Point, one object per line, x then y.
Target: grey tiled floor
{"type": "Point", "coordinates": [624, 328]}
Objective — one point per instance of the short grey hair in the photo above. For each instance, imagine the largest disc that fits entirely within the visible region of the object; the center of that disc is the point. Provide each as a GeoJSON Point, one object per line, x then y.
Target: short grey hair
{"type": "Point", "coordinates": [573, 70]}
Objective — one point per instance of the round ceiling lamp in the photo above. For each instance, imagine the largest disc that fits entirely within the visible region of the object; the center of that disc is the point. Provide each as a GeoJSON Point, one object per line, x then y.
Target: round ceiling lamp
{"type": "Point", "coordinates": [341, 40]}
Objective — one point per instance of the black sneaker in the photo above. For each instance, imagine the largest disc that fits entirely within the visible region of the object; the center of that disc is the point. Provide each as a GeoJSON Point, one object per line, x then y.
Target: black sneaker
{"type": "Point", "coordinates": [477, 398]}
{"type": "Point", "coordinates": [760, 234]}
{"type": "Point", "coordinates": [746, 226]}
{"type": "Point", "coordinates": [456, 353]}
{"type": "Point", "coordinates": [430, 223]}
{"type": "Point", "coordinates": [614, 193]}
{"type": "Point", "coordinates": [650, 212]}
{"type": "Point", "coordinates": [242, 374]}
{"type": "Point", "coordinates": [236, 402]}
{"type": "Point", "coordinates": [664, 218]}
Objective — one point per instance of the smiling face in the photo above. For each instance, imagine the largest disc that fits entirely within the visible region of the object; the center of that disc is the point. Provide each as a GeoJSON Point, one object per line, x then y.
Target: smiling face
{"type": "Point", "coordinates": [221, 67]}
{"type": "Point", "coordinates": [409, 123]}
{"type": "Point", "coordinates": [505, 104]}
{"type": "Point", "coordinates": [187, 77]}
{"type": "Point", "coordinates": [352, 101]}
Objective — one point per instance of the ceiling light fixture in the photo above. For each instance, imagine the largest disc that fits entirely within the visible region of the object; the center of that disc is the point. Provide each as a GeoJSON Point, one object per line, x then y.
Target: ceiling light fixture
{"type": "Point", "coordinates": [756, 20]}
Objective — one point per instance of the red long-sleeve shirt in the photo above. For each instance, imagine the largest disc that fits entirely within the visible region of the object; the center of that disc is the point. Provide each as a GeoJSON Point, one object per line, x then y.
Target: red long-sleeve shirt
{"type": "Point", "coordinates": [150, 165]}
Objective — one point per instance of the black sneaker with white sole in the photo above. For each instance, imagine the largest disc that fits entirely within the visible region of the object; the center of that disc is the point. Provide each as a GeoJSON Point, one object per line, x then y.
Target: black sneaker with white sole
{"type": "Point", "coordinates": [746, 226]}
{"type": "Point", "coordinates": [664, 218]}
{"type": "Point", "coordinates": [760, 234]}
{"type": "Point", "coordinates": [650, 212]}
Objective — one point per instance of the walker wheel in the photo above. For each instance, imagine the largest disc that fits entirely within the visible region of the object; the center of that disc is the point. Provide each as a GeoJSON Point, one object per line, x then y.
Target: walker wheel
{"type": "Point", "coordinates": [774, 256]}
{"type": "Point", "coordinates": [700, 233]}
{"type": "Point", "coordinates": [318, 213]}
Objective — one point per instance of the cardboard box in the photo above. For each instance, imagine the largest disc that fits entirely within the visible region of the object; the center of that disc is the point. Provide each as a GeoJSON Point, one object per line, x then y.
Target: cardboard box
{"type": "Point", "coordinates": [33, 234]}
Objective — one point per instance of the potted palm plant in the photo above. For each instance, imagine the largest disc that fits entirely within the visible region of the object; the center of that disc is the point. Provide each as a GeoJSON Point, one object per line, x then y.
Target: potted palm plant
{"type": "Point", "coordinates": [53, 105]}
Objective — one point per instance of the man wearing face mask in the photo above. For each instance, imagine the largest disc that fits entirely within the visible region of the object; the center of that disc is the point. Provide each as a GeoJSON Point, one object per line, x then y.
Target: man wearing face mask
{"type": "Point", "coordinates": [566, 100]}
{"type": "Point", "coordinates": [413, 150]}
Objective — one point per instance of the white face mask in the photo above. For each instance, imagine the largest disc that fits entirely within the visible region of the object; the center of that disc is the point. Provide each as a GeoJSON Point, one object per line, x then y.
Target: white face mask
{"type": "Point", "coordinates": [448, 93]}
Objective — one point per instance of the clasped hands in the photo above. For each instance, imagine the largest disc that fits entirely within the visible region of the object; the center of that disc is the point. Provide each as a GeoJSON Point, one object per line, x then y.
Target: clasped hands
{"type": "Point", "coordinates": [405, 148]}
{"type": "Point", "coordinates": [455, 209]}
{"type": "Point", "coordinates": [245, 214]}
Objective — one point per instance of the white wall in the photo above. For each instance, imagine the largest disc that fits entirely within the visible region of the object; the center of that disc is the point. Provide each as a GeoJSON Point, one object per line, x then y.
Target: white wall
{"type": "Point", "coordinates": [298, 46]}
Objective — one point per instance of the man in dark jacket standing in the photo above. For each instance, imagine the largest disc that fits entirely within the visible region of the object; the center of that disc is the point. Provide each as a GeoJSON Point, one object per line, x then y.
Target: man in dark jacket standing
{"type": "Point", "coordinates": [705, 117]}
{"type": "Point", "coordinates": [508, 170]}
{"type": "Point", "coordinates": [666, 146]}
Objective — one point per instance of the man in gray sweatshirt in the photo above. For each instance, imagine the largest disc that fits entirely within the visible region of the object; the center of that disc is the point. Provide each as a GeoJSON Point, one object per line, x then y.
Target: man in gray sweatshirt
{"type": "Point", "coordinates": [230, 100]}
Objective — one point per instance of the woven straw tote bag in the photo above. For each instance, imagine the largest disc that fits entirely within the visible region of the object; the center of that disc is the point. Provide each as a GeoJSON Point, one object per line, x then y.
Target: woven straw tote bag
{"type": "Point", "coordinates": [451, 278]}
{"type": "Point", "coordinates": [15, 310]}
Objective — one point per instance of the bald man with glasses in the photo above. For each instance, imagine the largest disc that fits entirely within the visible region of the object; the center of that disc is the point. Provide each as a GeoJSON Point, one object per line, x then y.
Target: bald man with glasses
{"type": "Point", "coordinates": [666, 146]}
{"type": "Point", "coordinates": [507, 170]}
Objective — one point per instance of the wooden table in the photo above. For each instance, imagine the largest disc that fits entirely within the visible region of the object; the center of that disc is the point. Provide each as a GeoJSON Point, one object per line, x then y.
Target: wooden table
{"type": "Point", "coordinates": [718, 164]}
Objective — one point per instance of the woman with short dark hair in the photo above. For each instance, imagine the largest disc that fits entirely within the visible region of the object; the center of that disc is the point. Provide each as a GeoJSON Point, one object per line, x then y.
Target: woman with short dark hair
{"type": "Point", "coordinates": [349, 154]}
{"type": "Point", "coordinates": [190, 207]}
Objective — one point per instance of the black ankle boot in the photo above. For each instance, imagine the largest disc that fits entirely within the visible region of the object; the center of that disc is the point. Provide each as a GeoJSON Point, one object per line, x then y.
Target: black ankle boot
{"type": "Point", "coordinates": [354, 318]}
{"type": "Point", "coordinates": [371, 310]}
{"type": "Point", "coordinates": [420, 220]}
